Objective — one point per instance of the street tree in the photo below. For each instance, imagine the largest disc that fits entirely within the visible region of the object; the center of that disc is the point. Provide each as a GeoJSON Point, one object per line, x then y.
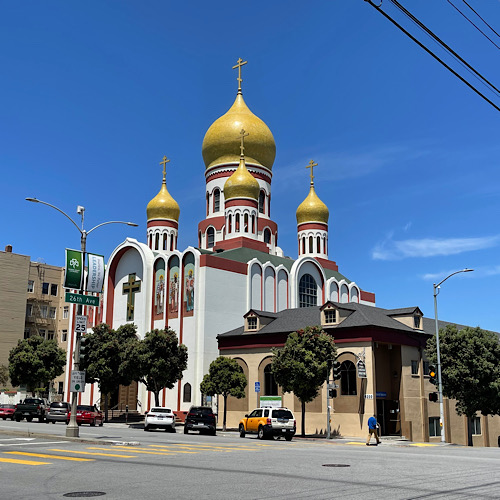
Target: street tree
{"type": "Point", "coordinates": [470, 369]}
{"type": "Point", "coordinates": [301, 366]}
{"type": "Point", "coordinates": [226, 378]}
{"type": "Point", "coordinates": [35, 362]}
{"type": "Point", "coordinates": [161, 361]}
{"type": "Point", "coordinates": [4, 375]}
{"type": "Point", "coordinates": [111, 358]}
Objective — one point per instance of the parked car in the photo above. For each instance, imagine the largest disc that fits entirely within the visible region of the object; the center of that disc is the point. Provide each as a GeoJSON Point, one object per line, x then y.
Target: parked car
{"type": "Point", "coordinates": [87, 414]}
{"type": "Point", "coordinates": [200, 418]}
{"type": "Point", "coordinates": [267, 422]}
{"type": "Point", "coordinates": [162, 418]}
{"type": "Point", "coordinates": [7, 411]}
{"type": "Point", "coordinates": [57, 412]}
{"type": "Point", "coordinates": [31, 408]}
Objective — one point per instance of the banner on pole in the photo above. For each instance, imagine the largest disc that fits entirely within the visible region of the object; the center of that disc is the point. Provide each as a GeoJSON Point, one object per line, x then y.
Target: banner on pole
{"type": "Point", "coordinates": [73, 275]}
{"type": "Point", "coordinates": [95, 273]}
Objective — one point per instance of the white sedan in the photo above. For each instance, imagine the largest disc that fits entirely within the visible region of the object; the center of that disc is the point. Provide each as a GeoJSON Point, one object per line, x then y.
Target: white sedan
{"type": "Point", "coordinates": [162, 418]}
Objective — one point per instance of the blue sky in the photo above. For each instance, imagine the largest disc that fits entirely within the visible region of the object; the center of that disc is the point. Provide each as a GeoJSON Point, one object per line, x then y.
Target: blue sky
{"type": "Point", "coordinates": [93, 94]}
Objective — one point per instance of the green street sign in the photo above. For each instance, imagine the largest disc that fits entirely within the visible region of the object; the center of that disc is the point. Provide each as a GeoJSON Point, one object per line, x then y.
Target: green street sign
{"type": "Point", "coordinates": [84, 300]}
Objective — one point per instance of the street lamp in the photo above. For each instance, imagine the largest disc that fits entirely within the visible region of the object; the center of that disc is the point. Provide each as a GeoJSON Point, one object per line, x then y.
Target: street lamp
{"type": "Point", "coordinates": [438, 354]}
{"type": "Point", "coordinates": [72, 428]}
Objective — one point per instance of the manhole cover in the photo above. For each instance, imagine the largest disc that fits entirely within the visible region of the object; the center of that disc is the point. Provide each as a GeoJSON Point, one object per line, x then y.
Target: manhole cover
{"type": "Point", "coordinates": [336, 465]}
{"type": "Point", "coordinates": [86, 494]}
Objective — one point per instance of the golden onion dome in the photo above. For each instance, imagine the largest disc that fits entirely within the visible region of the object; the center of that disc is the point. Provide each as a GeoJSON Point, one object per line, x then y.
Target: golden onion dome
{"type": "Point", "coordinates": [241, 184]}
{"type": "Point", "coordinates": [221, 145]}
{"type": "Point", "coordinates": [312, 209]}
{"type": "Point", "coordinates": [163, 206]}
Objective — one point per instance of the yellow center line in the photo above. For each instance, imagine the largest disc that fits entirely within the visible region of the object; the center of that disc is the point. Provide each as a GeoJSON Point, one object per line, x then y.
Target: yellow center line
{"type": "Point", "coordinates": [423, 444]}
{"type": "Point", "coordinates": [356, 443]}
{"type": "Point", "coordinates": [88, 453]}
{"type": "Point", "coordinates": [140, 452]}
{"type": "Point", "coordinates": [211, 448]}
{"type": "Point", "coordinates": [42, 455]}
{"type": "Point", "coordinates": [24, 462]}
{"type": "Point", "coordinates": [148, 449]}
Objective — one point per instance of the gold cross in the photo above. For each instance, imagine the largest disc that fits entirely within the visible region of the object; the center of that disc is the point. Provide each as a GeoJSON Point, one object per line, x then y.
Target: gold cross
{"type": "Point", "coordinates": [242, 146]}
{"type": "Point", "coordinates": [240, 62]}
{"type": "Point", "coordinates": [164, 163]}
{"type": "Point", "coordinates": [311, 165]}
{"type": "Point", "coordinates": [130, 288]}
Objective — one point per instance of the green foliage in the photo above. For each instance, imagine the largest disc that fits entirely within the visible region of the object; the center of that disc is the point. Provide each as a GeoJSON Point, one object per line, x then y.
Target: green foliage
{"type": "Point", "coordinates": [301, 366]}
{"type": "Point", "coordinates": [225, 377]}
{"type": "Point", "coordinates": [161, 360]}
{"type": "Point", "coordinates": [34, 362]}
{"type": "Point", "coordinates": [112, 357]}
{"type": "Point", "coordinates": [4, 375]}
{"type": "Point", "coordinates": [470, 368]}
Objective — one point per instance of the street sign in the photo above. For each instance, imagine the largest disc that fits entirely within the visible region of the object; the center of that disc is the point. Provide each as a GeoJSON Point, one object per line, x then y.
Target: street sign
{"type": "Point", "coordinates": [84, 300]}
{"type": "Point", "coordinates": [333, 386]}
{"type": "Point", "coordinates": [80, 325]}
{"type": "Point", "coordinates": [257, 386]}
{"type": "Point", "coordinates": [77, 383]}
{"type": "Point", "coordinates": [361, 369]}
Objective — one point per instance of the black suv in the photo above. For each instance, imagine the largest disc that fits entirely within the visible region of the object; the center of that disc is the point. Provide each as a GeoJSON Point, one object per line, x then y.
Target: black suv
{"type": "Point", "coordinates": [200, 418]}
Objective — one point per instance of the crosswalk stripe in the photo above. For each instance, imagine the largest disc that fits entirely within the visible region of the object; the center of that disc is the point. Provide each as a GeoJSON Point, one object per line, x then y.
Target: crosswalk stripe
{"type": "Point", "coordinates": [356, 443]}
{"type": "Point", "coordinates": [208, 447]}
{"type": "Point", "coordinates": [166, 448]}
{"type": "Point", "coordinates": [23, 462]}
{"type": "Point", "coordinates": [89, 453]}
{"type": "Point", "coordinates": [135, 451]}
{"type": "Point", "coordinates": [42, 455]}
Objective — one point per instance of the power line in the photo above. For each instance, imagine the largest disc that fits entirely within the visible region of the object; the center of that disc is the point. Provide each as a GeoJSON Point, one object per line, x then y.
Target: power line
{"type": "Point", "coordinates": [478, 29]}
{"type": "Point", "coordinates": [484, 21]}
{"type": "Point", "coordinates": [432, 54]}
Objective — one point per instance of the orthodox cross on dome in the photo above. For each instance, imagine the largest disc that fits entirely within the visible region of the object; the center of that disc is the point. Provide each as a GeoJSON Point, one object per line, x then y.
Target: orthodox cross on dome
{"type": "Point", "coordinates": [243, 134]}
{"type": "Point", "coordinates": [164, 163]}
{"type": "Point", "coordinates": [131, 288]}
{"type": "Point", "coordinates": [311, 165]}
{"type": "Point", "coordinates": [239, 63]}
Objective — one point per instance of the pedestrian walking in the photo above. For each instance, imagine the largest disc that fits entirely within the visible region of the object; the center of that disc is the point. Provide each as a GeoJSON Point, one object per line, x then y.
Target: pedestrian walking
{"type": "Point", "coordinates": [372, 430]}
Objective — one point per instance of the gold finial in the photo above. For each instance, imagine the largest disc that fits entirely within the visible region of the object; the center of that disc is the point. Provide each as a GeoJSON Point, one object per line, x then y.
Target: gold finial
{"type": "Point", "coordinates": [311, 165]}
{"type": "Point", "coordinates": [164, 163]}
{"type": "Point", "coordinates": [240, 62]}
{"type": "Point", "coordinates": [242, 146]}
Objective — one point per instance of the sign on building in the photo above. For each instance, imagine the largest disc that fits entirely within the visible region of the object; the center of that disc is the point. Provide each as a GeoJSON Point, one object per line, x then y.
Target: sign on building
{"type": "Point", "coordinates": [361, 369]}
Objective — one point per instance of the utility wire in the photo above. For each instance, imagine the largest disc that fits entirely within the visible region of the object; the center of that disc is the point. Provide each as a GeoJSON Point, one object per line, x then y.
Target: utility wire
{"type": "Point", "coordinates": [432, 54]}
{"type": "Point", "coordinates": [478, 29]}
{"type": "Point", "coordinates": [484, 21]}
{"type": "Point", "coordinates": [443, 44]}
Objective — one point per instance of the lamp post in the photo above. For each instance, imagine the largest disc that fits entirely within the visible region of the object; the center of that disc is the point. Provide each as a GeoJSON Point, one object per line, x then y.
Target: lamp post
{"type": "Point", "coordinates": [72, 428]}
{"type": "Point", "coordinates": [438, 354]}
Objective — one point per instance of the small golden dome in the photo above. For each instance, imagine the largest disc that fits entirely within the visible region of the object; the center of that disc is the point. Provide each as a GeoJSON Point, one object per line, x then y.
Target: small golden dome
{"type": "Point", "coordinates": [163, 206]}
{"type": "Point", "coordinates": [221, 145]}
{"type": "Point", "coordinates": [241, 184]}
{"type": "Point", "coordinates": [312, 209]}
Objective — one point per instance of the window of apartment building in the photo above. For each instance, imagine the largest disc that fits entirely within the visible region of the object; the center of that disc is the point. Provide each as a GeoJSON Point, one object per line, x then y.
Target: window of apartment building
{"type": "Point", "coordinates": [348, 379]}
{"type": "Point", "coordinates": [64, 336]}
{"type": "Point", "coordinates": [44, 311]}
{"type": "Point", "coordinates": [252, 323]}
{"type": "Point", "coordinates": [330, 316]}
{"type": "Point", "coordinates": [60, 389]}
{"type": "Point", "coordinates": [66, 312]}
{"type": "Point", "coordinates": [53, 290]}
{"type": "Point", "coordinates": [476, 425]}
{"type": "Point", "coordinates": [52, 313]}
{"type": "Point", "coordinates": [414, 367]}
{"type": "Point", "coordinates": [26, 333]}
{"type": "Point", "coordinates": [434, 427]}
{"type": "Point", "coordinates": [50, 335]}
{"type": "Point", "coordinates": [45, 288]}
{"type": "Point", "coordinates": [426, 368]}
{"type": "Point", "coordinates": [29, 309]}
{"type": "Point", "coordinates": [31, 286]}
{"type": "Point", "coordinates": [42, 332]}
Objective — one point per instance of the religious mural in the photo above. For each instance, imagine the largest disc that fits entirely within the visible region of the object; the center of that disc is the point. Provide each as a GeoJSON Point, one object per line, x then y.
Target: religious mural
{"type": "Point", "coordinates": [173, 288]}
{"type": "Point", "coordinates": [189, 285]}
{"type": "Point", "coordinates": [159, 288]}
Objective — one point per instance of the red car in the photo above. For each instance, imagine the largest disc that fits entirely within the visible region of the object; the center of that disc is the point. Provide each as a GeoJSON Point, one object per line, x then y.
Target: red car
{"type": "Point", "coordinates": [87, 414]}
{"type": "Point", "coordinates": [7, 411]}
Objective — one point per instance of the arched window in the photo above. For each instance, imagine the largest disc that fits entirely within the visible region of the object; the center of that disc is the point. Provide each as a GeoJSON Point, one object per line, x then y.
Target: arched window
{"type": "Point", "coordinates": [164, 241]}
{"type": "Point", "coordinates": [210, 237]}
{"type": "Point", "coordinates": [237, 223]}
{"type": "Point", "coordinates": [318, 244]}
{"type": "Point", "coordinates": [199, 239]}
{"type": "Point", "coordinates": [172, 241]}
{"type": "Point", "coordinates": [208, 203]}
{"type": "Point", "coordinates": [245, 223]}
{"type": "Point", "coordinates": [348, 379]}
{"type": "Point", "coordinates": [308, 291]}
{"type": "Point", "coordinates": [216, 200]}
{"type": "Point", "coordinates": [253, 224]}
{"type": "Point", "coordinates": [303, 244]}
{"type": "Point", "coordinates": [186, 397]}
{"type": "Point", "coordinates": [311, 249]}
{"type": "Point", "coordinates": [324, 245]}
{"type": "Point", "coordinates": [262, 200]}
{"type": "Point", "coordinates": [230, 224]}
{"type": "Point", "coordinates": [151, 241]}
{"type": "Point", "coordinates": [157, 241]}
{"type": "Point", "coordinates": [267, 236]}
{"type": "Point", "coordinates": [270, 386]}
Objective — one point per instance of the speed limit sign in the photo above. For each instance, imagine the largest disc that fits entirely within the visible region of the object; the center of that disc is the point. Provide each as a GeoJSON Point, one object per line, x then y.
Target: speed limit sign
{"type": "Point", "coordinates": [80, 325]}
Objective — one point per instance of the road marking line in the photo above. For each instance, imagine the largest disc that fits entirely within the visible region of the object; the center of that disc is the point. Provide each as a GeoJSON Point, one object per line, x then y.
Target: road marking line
{"type": "Point", "coordinates": [356, 443]}
{"type": "Point", "coordinates": [24, 462]}
{"type": "Point", "coordinates": [18, 439]}
{"type": "Point", "coordinates": [212, 448]}
{"type": "Point", "coordinates": [147, 449]}
{"type": "Point", "coordinates": [42, 455]}
{"type": "Point", "coordinates": [30, 444]}
{"type": "Point", "coordinates": [422, 444]}
{"type": "Point", "coordinates": [141, 452]}
{"type": "Point", "coordinates": [88, 453]}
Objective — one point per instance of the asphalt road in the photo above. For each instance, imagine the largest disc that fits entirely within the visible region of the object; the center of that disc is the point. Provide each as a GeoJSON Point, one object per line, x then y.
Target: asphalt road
{"type": "Point", "coordinates": [37, 462]}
